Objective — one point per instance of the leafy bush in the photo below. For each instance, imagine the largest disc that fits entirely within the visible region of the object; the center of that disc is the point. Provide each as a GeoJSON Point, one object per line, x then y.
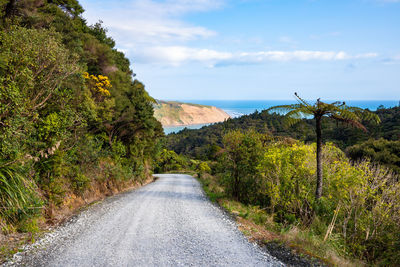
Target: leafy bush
{"type": "Point", "coordinates": [168, 160]}
{"type": "Point", "coordinates": [288, 178]}
{"type": "Point", "coordinates": [202, 168]}
{"type": "Point", "coordinates": [80, 182]}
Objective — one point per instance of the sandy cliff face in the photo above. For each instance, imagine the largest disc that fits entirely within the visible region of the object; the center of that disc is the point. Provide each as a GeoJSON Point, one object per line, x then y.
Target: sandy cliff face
{"type": "Point", "coordinates": [180, 114]}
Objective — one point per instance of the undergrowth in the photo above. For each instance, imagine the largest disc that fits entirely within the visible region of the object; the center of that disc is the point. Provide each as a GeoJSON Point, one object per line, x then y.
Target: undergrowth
{"type": "Point", "coordinates": [302, 241]}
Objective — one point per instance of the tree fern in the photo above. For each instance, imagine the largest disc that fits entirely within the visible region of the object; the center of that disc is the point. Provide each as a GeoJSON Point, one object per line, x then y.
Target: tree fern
{"type": "Point", "coordinates": [338, 111]}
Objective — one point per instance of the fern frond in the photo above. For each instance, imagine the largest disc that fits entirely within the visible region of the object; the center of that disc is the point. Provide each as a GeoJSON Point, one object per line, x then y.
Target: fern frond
{"type": "Point", "coordinates": [283, 108]}
{"type": "Point", "coordinates": [354, 123]}
{"type": "Point", "coordinates": [302, 101]}
{"type": "Point", "coordinates": [289, 121]}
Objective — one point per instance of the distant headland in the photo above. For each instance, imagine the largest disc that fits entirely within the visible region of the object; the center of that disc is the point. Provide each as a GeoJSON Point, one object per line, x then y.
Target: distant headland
{"type": "Point", "coordinates": [173, 113]}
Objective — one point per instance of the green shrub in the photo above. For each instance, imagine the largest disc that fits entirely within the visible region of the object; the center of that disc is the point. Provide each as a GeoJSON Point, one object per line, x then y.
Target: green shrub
{"type": "Point", "coordinates": [80, 183]}
{"type": "Point", "coordinates": [202, 168]}
{"type": "Point", "coordinates": [168, 160]}
{"type": "Point", "coordinates": [30, 225]}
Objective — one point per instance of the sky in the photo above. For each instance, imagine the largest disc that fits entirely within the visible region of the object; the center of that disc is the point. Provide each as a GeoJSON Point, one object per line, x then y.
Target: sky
{"type": "Point", "coordinates": [258, 49]}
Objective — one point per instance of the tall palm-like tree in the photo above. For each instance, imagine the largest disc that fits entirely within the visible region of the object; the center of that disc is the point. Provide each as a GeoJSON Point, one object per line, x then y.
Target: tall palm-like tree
{"type": "Point", "coordinates": [338, 111]}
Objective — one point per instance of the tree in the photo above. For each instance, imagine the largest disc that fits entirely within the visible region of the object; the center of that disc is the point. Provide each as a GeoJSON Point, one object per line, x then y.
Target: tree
{"type": "Point", "coordinates": [338, 111]}
{"type": "Point", "coordinates": [241, 156]}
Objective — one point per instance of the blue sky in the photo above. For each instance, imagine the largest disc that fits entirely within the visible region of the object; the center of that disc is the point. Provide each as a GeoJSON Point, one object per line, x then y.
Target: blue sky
{"type": "Point", "coordinates": [258, 49]}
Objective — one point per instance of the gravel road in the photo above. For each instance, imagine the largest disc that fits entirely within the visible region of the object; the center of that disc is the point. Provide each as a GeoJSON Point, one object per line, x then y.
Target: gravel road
{"type": "Point", "coordinates": [166, 223]}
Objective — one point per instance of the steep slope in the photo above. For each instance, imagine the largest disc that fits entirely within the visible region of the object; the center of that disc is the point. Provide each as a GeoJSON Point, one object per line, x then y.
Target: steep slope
{"type": "Point", "coordinates": [171, 113]}
{"type": "Point", "coordinates": [74, 125]}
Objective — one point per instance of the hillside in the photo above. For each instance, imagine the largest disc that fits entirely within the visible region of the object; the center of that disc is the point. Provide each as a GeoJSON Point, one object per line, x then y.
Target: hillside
{"type": "Point", "coordinates": [74, 126]}
{"type": "Point", "coordinates": [171, 113]}
{"type": "Point", "coordinates": [204, 143]}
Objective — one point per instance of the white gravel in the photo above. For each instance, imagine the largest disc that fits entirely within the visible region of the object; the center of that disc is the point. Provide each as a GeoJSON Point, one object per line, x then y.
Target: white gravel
{"type": "Point", "coordinates": [167, 223]}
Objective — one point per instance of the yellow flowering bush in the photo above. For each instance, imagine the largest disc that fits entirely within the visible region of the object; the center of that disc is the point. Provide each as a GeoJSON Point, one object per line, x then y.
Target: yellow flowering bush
{"type": "Point", "coordinates": [288, 175]}
{"type": "Point", "coordinates": [99, 85]}
{"type": "Point", "coordinates": [364, 197]}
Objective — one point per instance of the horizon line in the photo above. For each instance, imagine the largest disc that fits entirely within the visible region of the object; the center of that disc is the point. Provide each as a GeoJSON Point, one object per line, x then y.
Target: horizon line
{"type": "Point", "coordinates": [193, 99]}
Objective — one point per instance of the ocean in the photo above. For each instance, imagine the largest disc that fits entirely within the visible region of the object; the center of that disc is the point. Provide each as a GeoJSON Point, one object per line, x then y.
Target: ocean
{"type": "Point", "coordinates": [237, 108]}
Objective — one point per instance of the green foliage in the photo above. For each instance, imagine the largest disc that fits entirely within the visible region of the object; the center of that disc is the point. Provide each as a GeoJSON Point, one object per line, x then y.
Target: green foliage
{"type": "Point", "coordinates": [70, 6]}
{"type": "Point", "coordinates": [337, 110]}
{"type": "Point", "coordinates": [203, 168]}
{"type": "Point", "coordinates": [381, 151]}
{"type": "Point", "coordinates": [200, 167]}
{"type": "Point", "coordinates": [35, 68]}
{"type": "Point", "coordinates": [80, 183]}
{"type": "Point", "coordinates": [242, 154]}
{"type": "Point", "coordinates": [366, 197]}
{"type": "Point", "coordinates": [28, 226]}
{"type": "Point", "coordinates": [359, 209]}
{"type": "Point", "coordinates": [205, 143]}
{"type": "Point", "coordinates": [19, 199]}
{"type": "Point", "coordinates": [288, 176]}
{"type": "Point", "coordinates": [98, 31]}
{"type": "Point", "coordinates": [70, 111]}
{"type": "Point", "coordinates": [169, 161]}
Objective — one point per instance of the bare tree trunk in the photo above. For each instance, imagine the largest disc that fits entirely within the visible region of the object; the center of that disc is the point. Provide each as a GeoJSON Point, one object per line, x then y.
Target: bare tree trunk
{"type": "Point", "coordinates": [10, 9]}
{"type": "Point", "coordinates": [236, 184]}
{"type": "Point", "coordinates": [318, 192]}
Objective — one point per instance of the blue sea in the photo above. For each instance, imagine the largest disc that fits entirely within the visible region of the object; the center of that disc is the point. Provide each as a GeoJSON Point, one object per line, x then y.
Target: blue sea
{"type": "Point", "coordinates": [237, 108]}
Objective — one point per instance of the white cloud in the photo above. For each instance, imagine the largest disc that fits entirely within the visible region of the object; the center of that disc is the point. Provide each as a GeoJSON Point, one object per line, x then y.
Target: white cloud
{"type": "Point", "coordinates": [299, 55]}
{"type": "Point", "coordinates": [153, 31]}
{"type": "Point", "coordinates": [366, 55]}
{"type": "Point", "coordinates": [140, 31]}
{"type": "Point", "coordinates": [178, 55]}
{"type": "Point", "coordinates": [150, 22]}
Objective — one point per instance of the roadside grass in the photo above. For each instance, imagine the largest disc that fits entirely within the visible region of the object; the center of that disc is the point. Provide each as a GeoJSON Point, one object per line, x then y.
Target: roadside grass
{"type": "Point", "coordinates": [28, 233]}
{"type": "Point", "coordinates": [259, 226]}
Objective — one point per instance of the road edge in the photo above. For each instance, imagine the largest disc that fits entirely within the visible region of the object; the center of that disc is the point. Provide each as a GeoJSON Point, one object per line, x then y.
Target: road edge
{"type": "Point", "coordinates": [29, 240]}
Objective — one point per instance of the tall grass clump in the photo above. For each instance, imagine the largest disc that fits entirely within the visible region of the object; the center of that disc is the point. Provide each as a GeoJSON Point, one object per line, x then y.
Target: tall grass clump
{"type": "Point", "coordinates": [19, 199]}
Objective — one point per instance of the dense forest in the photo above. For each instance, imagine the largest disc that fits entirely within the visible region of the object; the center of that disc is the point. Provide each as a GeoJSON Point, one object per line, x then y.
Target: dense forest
{"type": "Point", "coordinates": [380, 143]}
{"type": "Point", "coordinates": [74, 124]}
